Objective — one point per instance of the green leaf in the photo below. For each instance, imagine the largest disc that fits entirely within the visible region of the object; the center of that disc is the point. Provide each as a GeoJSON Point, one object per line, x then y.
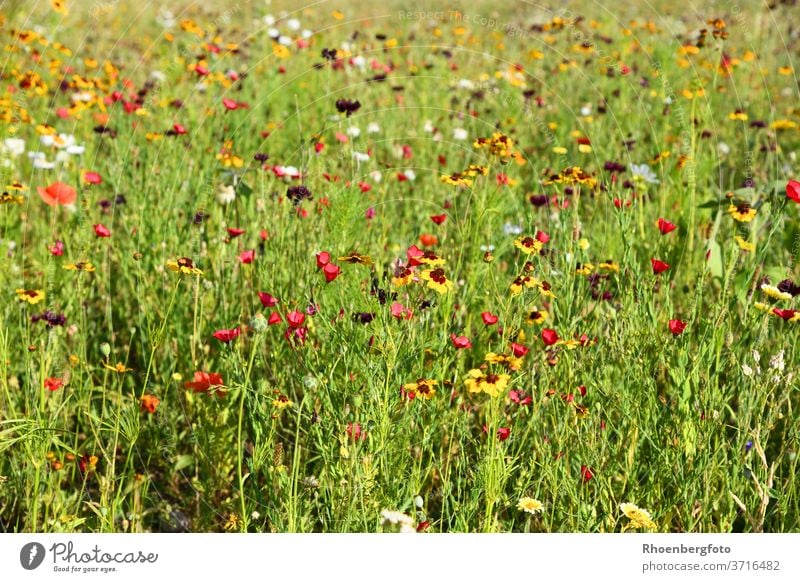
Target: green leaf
{"type": "Point", "coordinates": [183, 462]}
{"type": "Point", "coordinates": [242, 189]}
{"type": "Point", "coordinates": [715, 260]}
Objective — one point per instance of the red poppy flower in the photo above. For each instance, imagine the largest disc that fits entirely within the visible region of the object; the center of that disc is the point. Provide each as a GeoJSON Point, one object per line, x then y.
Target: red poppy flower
{"type": "Point", "coordinates": [549, 337]}
{"type": "Point", "coordinates": [323, 259]}
{"type": "Point", "coordinates": [428, 240]}
{"type": "Point", "coordinates": [542, 237]}
{"type": "Point", "coordinates": [101, 231]}
{"type": "Point", "coordinates": [793, 190]}
{"type": "Point", "coordinates": [520, 398]}
{"type": "Point", "coordinates": [503, 433]}
{"type": "Point", "coordinates": [295, 319]}
{"type": "Point", "coordinates": [234, 232]}
{"type": "Point", "coordinates": [178, 129]}
{"type": "Point", "coordinates": [149, 403]}
{"type": "Point", "coordinates": [58, 193]}
{"type": "Point", "coordinates": [92, 178]}
{"type": "Point", "coordinates": [785, 314]}
{"type": "Point", "coordinates": [355, 432]}
{"type": "Point", "coordinates": [676, 326]}
{"type": "Point", "coordinates": [56, 249]}
{"type": "Point", "coordinates": [399, 311]}
{"type": "Point", "coordinates": [230, 104]}
{"type": "Point", "coordinates": [413, 253]}
{"type": "Point", "coordinates": [489, 318]}
{"type": "Point", "coordinates": [423, 526]}
{"type": "Point", "coordinates": [267, 300]}
{"type": "Point", "coordinates": [247, 257]}
{"type": "Point", "coordinates": [460, 342]}
{"type": "Point", "coordinates": [53, 384]}
{"type": "Point", "coordinates": [227, 335]}
{"type": "Point", "coordinates": [586, 474]}
{"type": "Point", "coordinates": [331, 272]}
{"type": "Point", "coordinates": [439, 218]}
{"type": "Point", "coordinates": [274, 318]}
{"type": "Point", "coordinates": [665, 226]}
{"type": "Point", "coordinates": [518, 349]}
{"type": "Point", "coordinates": [205, 381]}
{"type": "Point", "coordinates": [658, 266]}
{"type": "Point", "coordinates": [582, 390]}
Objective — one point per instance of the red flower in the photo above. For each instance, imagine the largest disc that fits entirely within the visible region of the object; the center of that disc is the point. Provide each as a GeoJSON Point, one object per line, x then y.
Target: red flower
{"type": "Point", "coordinates": [247, 257]}
{"type": "Point", "coordinates": [520, 398]}
{"type": "Point", "coordinates": [229, 104]}
{"type": "Point", "coordinates": [401, 312]}
{"type": "Point", "coordinates": [489, 318]}
{"type": "Point", "coordinates": [428, 240]}
{"type": "Point", "coordinates": [665, 226]}
{"type": "Point", "coordinates": [413, 253]}
{"type": "Point", "coordinates": [234, 232]}
{"type": "Point", "coordinates": [178, 129]}
{"type": "Point", "coordinates": [331, 272]}
{"type": "Point", "coordinates": [323, 259]}
{"type": "Point", "coordinates": [503, 433]}
{"type": "Point", "coordinates": [53, 384]}
{"type": "Point", "coordinates": [355, 432]}
{"type": "Point", "coordinates": [227, 335]}
{"type": "Point", "coordinates": [57, 249]}
{"type": "Point", "coordinates": [149, 403]}
{"type": "Point", "coordinates": [785, 314]}
{"type": "Point", "coordinates": [676, 326]}
{"type": "Point", "coordinates": [542, 237]}
{"type": "Point", "coordinates": [549, 337]}
{"type": "Point", "coordinates": [58, 193]}
{"type": "Point", "coordinates": [586, 474]}
{"type": "Point", "coordinates": [101, 231]}
{"type": "Point", "coordinates": [658, 266]}
{"type": "Point", "coordinates": [92, 178]}
{"type": "Point", "coordinates": [267, 300]}
{"type": "Point", "coordinates": [423, 526]}
{"type": "Point", "coordinates": [582, 390]}
{"type": "Point", "coordinates": [439, 218]}
{"type": "Point", "coordinates": [205, 381]}
{"type": "Point", "coordinates": [460, 342]}
{"type": "Point", "coordinates": [793, 191]}
{"type": "Point", "coordinates": [274, 318]}
{"type": "Point", "coordinates": [518, 349]}
{"type": "Point", "coordinates": [295, 319]}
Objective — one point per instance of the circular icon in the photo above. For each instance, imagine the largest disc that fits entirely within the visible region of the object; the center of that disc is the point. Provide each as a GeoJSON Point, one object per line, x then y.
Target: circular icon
{"type": "Point", "coordinates": [31, 555]}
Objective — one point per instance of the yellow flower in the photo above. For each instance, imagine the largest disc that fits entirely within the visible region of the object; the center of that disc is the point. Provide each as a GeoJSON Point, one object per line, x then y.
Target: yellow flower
{"type": "Point", "coordinates": [774, 292]}
{"type": "Point", "coordinates": [6, 198]}
{"type": "Point", "coordinates": [744, 245]}
{"type": "Point", "coordinates": [584, 269]}
{"type": "Point", "coordinates": [457, 179]}
{"type": "Point", "coordinates": [356, 259]}
{"type": "Point", "coordinates": [536, 317]}
{"type": "Point", "coordinates": [491, 384]}
{"type": "Point", "coordinates": [742, 213]}
{"type": "Point", "coordinates": [528, 245]}
{"type": "Point", "coordinates": [281, 51]}
{"type": "Point", "coordinates": [521, 282]}
{"type": "Point", "coordinates": [32, 296]}
{"type": "Point", "coordinates": [609, 265]}
{"type": "Point", "coordinates": [60, 6]}
{"type": "Point", "coordinates": [80, 266]}
{"type": "Point", "coordinates": [119, 368]}
{"type": "Point", "coordinates": [510, 362]}
{"type": "Point", "coordinates": [184, 266]}
{"type": "Point", "coordinates": [422, 388]}
{"type": "Point", "coordinates": [639, 518]}
{"type": "Point", "coordinates": [402, 277]}
{"type": "Point", "coordinates": [530, 505]}
{"type": "Point", "coordinates": [737, 116]}
{"type": "Point", "coordinates": [437, 280]}
{"type": "Point", "coordinates": [281, 402]}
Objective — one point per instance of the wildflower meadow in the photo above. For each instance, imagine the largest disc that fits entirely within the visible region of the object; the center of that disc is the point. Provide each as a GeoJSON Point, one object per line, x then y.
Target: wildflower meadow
{"type": "Point", "coordinates": [367, 267]}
